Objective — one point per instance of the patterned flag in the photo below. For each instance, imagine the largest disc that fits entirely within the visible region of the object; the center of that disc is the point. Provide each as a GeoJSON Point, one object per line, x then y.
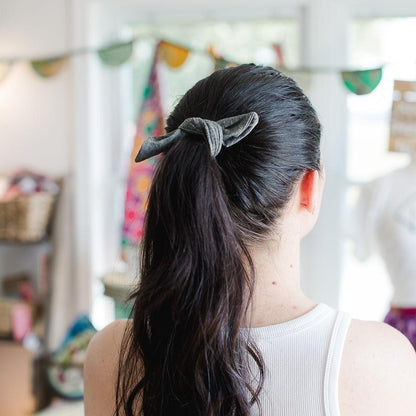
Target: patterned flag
{"type": "Point", "coordinates": [149, 123]}
{"type": "Point", "coordinates": [363, 81]}
{"type": "Point", "coordinates": [47, 68]}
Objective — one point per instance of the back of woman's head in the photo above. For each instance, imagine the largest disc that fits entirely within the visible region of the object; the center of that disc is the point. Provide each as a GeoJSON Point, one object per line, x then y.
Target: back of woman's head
{"type": "Point", "coordinates": [185, 353]}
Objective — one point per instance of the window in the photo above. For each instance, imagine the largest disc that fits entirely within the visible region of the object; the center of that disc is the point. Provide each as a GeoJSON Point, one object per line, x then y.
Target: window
{"type": "Point", "coordinates": [373, 42]}
{"type": "Point", "coordinates": [237, 40]}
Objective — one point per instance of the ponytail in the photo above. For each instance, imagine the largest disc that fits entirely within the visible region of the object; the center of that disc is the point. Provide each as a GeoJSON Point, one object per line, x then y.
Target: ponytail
{"type": "Point", "coordinates": [192, 298]}
{"type": "Point", "coordinates": [185, 353]}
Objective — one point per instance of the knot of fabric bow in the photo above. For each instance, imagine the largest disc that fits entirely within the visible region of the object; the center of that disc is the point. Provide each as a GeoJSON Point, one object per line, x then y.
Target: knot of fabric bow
{"type": "Point", "coordinates": [225, 132]}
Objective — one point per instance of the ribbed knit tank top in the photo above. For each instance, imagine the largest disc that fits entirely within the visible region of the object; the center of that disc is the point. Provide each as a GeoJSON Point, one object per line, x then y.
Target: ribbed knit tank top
{"type": "Point", "coordinates": [302, 361]}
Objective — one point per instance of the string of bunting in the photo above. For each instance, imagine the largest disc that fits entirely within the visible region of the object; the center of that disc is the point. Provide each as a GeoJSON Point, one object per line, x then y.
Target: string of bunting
{"type": "Point", "coordinates": [359, 82]}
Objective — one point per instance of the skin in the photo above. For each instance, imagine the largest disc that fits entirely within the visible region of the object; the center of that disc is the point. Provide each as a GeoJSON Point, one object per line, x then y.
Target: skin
{"type": "Point", "coordinates": [378, 367]}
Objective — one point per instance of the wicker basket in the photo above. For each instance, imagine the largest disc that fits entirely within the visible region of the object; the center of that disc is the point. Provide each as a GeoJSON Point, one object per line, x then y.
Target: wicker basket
{"type": "Point", "coordinates": [26, 218]}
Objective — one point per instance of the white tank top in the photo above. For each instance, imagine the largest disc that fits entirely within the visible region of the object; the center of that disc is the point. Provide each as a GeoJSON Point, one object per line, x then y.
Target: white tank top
{"type": "Point", "coordinates": [302, 361]}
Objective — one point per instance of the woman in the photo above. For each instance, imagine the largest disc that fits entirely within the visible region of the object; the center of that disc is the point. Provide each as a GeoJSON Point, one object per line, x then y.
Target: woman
{"type": "Point", "coordinates": [221, 325]}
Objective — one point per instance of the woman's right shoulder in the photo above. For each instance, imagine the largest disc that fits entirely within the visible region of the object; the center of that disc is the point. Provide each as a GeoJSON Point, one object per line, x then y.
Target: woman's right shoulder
{"type": "Point", "coordinates": [109, 339]}
{"type": "Point", "coordinates": [101, 369]}
{"type": "Point", "coordinates": [378, 371]}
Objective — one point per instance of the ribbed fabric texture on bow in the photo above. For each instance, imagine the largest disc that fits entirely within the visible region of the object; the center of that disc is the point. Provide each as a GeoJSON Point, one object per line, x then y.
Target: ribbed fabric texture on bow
{"type": "Point", "coordinates": [225, 132]}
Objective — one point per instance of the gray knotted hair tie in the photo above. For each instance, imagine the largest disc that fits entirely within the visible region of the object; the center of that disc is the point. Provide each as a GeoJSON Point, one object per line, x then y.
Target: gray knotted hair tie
{"type": "Point", "coordinates": [224, 132]}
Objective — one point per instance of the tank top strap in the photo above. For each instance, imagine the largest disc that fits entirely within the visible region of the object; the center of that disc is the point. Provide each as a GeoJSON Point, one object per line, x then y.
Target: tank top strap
{"type": "Point", "coordinates": [333, 363]}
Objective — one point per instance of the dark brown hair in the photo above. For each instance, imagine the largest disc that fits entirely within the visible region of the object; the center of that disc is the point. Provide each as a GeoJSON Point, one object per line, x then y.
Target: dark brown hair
{"type": "Point", "coordinates": [185, 353]}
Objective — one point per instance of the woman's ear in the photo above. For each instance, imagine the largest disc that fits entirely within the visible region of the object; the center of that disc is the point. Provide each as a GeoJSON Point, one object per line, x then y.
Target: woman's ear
{"type": "Point", "coordinates": [309, 191]}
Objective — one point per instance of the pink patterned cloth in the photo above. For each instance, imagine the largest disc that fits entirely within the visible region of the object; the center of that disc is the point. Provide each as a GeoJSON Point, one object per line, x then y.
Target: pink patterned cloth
{"type": "Point", "coordinates": [150, 123]}
{"type": "Point", "coordinates": [404, 320]}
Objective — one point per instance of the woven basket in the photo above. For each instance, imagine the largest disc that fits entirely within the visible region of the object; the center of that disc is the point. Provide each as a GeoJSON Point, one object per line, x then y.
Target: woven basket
{"type": "Point", "coordinates": [26, 218]}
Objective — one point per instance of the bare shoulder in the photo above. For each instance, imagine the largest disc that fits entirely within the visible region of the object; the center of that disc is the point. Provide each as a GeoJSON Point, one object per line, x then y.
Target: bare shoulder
{"type": "Point", "coordinates": [108, 338]}
{"type": "Point", "coordinates": [101, 367]}
{"type": "Point", "coordinates": [378, 371]}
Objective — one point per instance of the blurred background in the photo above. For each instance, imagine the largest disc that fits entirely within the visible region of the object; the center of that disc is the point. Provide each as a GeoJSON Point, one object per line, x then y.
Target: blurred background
{"type": "Point", "coordinates": [83, 81]}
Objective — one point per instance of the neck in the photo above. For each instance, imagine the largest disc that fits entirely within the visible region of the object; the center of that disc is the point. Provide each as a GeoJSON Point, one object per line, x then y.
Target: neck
{"type": "Point", "coordinates": [278, 296]}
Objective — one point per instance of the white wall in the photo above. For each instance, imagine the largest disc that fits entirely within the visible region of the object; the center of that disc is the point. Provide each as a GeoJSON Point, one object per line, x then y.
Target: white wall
{"type": "Point", "coordinates": [57, 125]}
{"type": "Point", "coordinates": [36, 120]}
{"type": "Point", "coordinates": [35, 113]}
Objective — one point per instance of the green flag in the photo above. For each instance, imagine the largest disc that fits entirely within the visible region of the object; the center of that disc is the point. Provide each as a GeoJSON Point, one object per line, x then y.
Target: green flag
{"type": "Point", "coordinates": [116, 54]}
{"type": "Point", "coordinates": [363, 81]}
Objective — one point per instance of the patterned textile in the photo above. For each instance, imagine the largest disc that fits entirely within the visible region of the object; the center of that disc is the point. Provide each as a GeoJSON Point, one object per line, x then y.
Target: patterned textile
{"type": "Point", "coordinates": [404, 320]}
{"type": "Point", "coordinates": [150, 123]}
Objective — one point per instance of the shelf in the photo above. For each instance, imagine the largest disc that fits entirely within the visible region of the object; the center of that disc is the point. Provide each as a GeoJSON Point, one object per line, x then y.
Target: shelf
{"type": "Point", "coordinates": [25, 243]}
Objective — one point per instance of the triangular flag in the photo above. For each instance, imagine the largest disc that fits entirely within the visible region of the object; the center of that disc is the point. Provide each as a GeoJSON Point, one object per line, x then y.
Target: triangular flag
{"type": "Point", "coordinates": [116, 54]}
{"type": "Point", "coordinates": [47, 68]}
{"type": "Point", "coordinates": [219, 61]}
{"type": "Point", "coordinates": [173, 55]}
{"type": "Point", "coordinates": [149, 123]}
{"type": "Point", "coordinates": [363, 81]}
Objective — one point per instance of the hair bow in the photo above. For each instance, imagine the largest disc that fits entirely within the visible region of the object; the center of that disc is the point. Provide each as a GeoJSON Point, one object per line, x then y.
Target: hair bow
{"type": "Point", "coordinates": [225, 132]}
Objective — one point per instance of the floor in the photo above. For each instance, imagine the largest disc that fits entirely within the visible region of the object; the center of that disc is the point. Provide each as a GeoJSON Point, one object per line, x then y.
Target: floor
{"type": "Point", "coordinates": [64, 409]}
{"type": "Point", "coordinates": [16, 398]}
{"type": "Point", "coordinates": [15, 380]}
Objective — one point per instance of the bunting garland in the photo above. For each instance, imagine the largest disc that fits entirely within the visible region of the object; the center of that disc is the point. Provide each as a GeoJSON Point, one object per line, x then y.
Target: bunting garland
{"type": "Point", "coordinates": [173, 55]}
{"type": "Point", "coordinates": [116, 54]}
{"type": "Point", "coordinates": [47, 68]}
{"type": "Point", "coordinates": [362, 82]}
{"type": "Point", "coordinates": [219, 61]}
{"type": "Point", "coordinates": [359, 82]}
{"type": "Point", "coordinates": [150, 123]}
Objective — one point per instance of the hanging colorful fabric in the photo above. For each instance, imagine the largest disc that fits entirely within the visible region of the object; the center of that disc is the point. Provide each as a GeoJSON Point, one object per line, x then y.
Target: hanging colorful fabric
{"type": "Point", "coordinates": [149, 123]}
{"type": "Point", "coordinates": [116, 54]}
{"type": "Point", "coordinates": [173, 55]}
{"type": "Point", "coordinates": [47, 68]}
{"type": "Point", "coordinates": [4, 69]}
{"type": "Point", "coordinates": [363, 81]}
